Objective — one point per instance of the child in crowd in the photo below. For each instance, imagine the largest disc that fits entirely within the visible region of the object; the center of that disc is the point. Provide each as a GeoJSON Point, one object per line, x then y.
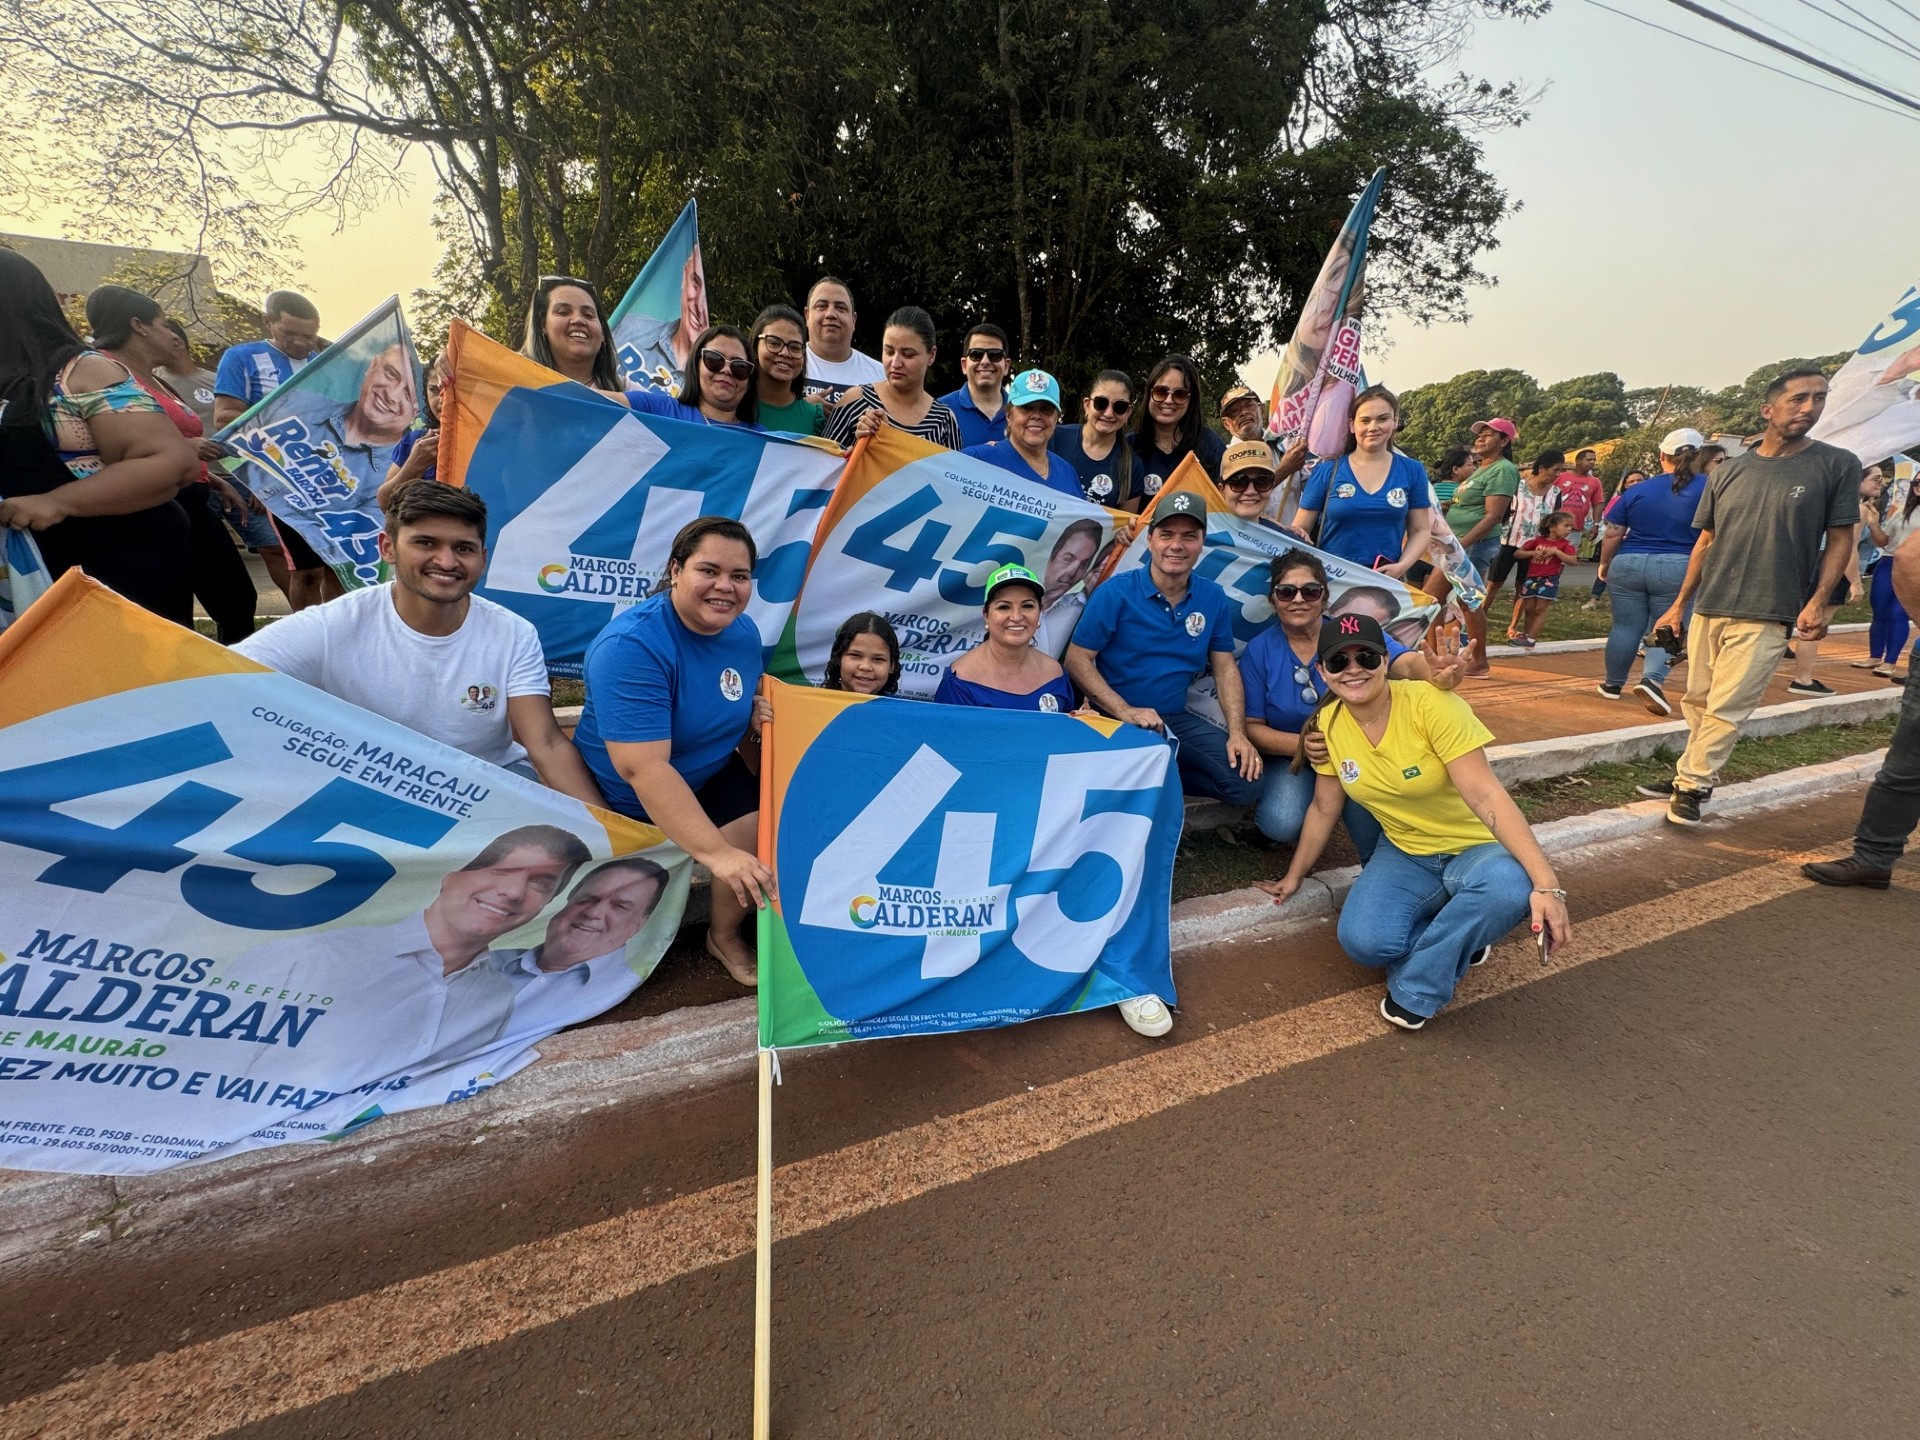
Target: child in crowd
{"type": "Point", "coordinates": [1546, 556]}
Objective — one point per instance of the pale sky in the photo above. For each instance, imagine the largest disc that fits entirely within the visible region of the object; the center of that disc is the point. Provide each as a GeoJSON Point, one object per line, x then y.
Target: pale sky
{"type": "Point", "coordinates": [1686, 216]}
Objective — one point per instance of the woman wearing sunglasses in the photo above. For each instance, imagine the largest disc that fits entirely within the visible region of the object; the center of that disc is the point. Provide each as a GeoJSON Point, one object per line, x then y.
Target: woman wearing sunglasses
{"type": "Point", "coordinates": [901, 399]}
{"type": "Point", "coordinates": [1372, 504]}
{"type": "Point", "coordinates": [565, 332]}
{"type": "Point", "coordinates": [719, 386]}
{"type": "Point", "coordinates": [1167, 428]}
{"type": "Point", "coordinates": [1456, 866]}
{"type": "Point", "coordinates": [779, 348]}
{"type": "Point", "coordinates": [1280, 672]}
{"type": "Point", "coordinates": [1097, 447]}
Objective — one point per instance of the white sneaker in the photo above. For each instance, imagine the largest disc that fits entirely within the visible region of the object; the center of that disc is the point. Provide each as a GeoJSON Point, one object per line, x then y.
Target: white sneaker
{"type": "Point", "coordinates": [1147, 1016]}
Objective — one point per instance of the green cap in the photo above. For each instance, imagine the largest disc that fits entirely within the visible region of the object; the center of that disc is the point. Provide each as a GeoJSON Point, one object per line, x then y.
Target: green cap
{"type": "Point", "coordinates": [1015, 575]}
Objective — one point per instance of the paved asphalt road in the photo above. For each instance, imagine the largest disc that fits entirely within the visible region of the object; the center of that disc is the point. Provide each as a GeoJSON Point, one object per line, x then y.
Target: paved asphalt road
{"type": "Point", "coordinates": [1666, 1188]}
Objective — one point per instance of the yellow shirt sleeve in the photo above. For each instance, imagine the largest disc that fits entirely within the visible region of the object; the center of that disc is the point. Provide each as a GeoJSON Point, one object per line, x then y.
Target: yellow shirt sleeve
{"type": "Point", "coordinates": [1451, 727]}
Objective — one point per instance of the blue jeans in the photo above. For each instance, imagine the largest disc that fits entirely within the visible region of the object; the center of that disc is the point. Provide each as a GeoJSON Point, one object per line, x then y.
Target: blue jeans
{"type": "Point", "coordinates": [1202, 757]}
{"type": "Point", "coordinates": [1285, 798]}
{"type": "Point", "coordinates": [1643, 588]}
{"type": "Point", "coordinates": [1485, 551]}
{"type": "Point", "coordinates": [1887, 633]}
{"type": "Point", "coordinates": [1423, 917]}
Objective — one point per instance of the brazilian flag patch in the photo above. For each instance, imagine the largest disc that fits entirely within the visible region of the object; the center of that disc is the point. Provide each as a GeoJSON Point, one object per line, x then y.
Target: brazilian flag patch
{"type": "Point", "coordinates": [1412, 772]}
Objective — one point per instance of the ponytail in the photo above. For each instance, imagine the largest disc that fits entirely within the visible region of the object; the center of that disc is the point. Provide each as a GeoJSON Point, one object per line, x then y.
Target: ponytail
{"type": "Point", "coordinates": [1316, 725]}
{"type": "Point", "coordinates": [1683, 459]}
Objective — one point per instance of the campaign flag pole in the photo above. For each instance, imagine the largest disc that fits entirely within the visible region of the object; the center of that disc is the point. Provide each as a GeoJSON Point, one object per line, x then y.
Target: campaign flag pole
{"type": "Point", "coordinates": [763, 1203]}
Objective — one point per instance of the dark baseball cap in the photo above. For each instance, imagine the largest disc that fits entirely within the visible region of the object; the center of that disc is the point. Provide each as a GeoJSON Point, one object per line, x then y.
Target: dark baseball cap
{"type": "Point", "coordinates": [1351, 632]}
{"type": "Point", "coordinates": [1181, 502]}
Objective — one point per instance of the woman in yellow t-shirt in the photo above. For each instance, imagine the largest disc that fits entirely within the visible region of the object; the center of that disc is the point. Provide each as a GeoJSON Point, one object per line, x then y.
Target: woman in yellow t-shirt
{"type": "Point", "coordinates": [1457, 866]}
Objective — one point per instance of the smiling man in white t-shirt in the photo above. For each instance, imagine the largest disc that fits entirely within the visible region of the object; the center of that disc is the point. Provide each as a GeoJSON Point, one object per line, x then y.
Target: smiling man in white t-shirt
{"type": "Point", "coordinates": [424, 651]}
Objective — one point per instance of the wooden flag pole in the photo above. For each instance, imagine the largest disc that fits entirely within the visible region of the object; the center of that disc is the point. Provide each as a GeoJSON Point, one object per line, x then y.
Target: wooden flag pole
{"type": "Point", "coordinates": [763, 1263]}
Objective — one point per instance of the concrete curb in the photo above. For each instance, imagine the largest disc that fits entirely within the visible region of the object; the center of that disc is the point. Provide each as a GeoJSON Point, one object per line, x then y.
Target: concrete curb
{"type": "Point", "coordinates": [652, 1059]}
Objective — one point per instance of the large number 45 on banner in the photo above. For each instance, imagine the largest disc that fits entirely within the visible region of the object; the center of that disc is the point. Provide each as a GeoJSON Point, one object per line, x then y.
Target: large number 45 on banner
{"type": "Point", "coordinates": [943, 868]}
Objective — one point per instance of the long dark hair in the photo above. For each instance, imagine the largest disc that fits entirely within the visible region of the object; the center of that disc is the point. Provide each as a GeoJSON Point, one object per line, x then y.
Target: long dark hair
{"type": "Point", "coordinates": [111, 311]}
{"type": "Point", "coordinates": [866, 622]}
{"type": "Point", "coordinates": [749, 411]}
{"type": "Point", "coordinates": [760, 322]}
{"type": "Point", "coordinates": [1190, 423]}
{"type": "Point", "coordinates": [606, 370]}
{"type": "Point", "coordinates": [36, 342]}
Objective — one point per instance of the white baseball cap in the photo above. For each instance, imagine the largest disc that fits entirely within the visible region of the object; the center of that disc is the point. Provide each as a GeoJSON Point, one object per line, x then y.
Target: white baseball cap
{"type": "Point", "coordinates": [1678, 440]}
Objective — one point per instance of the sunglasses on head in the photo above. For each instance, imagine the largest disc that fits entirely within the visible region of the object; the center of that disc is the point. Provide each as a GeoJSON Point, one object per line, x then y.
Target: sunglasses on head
{"type": "Point", "coordinates": [996, 356]}
{"type": "Point", "coordinates": [1340, 659]}
{"type": "Point", "coordinates": [1263, 482]}
{"type": "Point", "coordinates": [1101, 404]}
{"type": "Point", "coordinates": [1171, 392]}
{"type": "Point", "coordinates": [1311, 591]}
{"type": "Point", "coordinates": [714, 361]}
{"type": "Point", "coordinates": [784, 347]}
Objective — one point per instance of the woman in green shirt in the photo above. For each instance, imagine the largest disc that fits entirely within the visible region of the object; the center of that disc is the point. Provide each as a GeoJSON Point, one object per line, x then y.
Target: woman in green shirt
{"type": "Point", "coordinates": [780, 350]}
{"type": "Point", "coordinates": [1479, 513]}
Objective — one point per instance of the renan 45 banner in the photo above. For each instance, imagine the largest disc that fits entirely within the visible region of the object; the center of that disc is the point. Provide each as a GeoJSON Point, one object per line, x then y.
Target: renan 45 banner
{"type": "Point", "coordinates": [664, 310]}
{"type": "Point", "coordinates": [946, 868]}
{"type": "Point", "coordinates": [584, 496]}
{"type": "Point", "coordinates": [236, 912]}
{"type": "Point", "coordinates": [317, 448]}
{"type": "Point", "coordinates": [914, 530]}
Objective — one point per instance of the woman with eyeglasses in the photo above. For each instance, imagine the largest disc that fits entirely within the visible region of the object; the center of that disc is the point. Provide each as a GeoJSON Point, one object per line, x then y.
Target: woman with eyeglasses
{"type": "Point", "coordinates": [1456, 866]}
{"type": "Point", "coordinates": [1097, 448]}
{"type": "Point", "coordinates": [565, 332]}
{"type": "Point", "coordinates": [1371, 504]}
{"type": "Point", "coordinates": [779, 348]}
{"type": "Point", "coordinates": [906, 351]}
{"type": "Point", "coordinates": [1167, 428]}
{"type": "Point", "coordinates": [719, 386]}
{"type": "Point", "coordinates": [1280, 674]}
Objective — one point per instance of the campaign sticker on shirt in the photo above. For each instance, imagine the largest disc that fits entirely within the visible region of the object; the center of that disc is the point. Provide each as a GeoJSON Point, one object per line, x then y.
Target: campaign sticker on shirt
{"type": "Point", "coordinates": [479, 699]}
{"type": "Point", "coordinates": [1100, 486]}
{"type": "Point", "coordinates": [1050, 704]}
{"type": "Point", "coordinates": [1151, 483]}
{"type": "Point", "coordinates": [1397, 498]}
{"type": "Point", "coordinates": [202, 395]}
{"type": "Point", "coordinates": [1343, 491]}
{"type": "Point", "coordinates": [730, 685]}
{"type": "Point", "coordinates": [1349, 770]}
{"type": "Point", "coordinates": [1196, 622]}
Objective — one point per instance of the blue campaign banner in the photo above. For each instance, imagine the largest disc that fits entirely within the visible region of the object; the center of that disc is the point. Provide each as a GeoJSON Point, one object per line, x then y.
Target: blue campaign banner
{"type": "Point", "coordinates": [947, 868]}
{"type": "Point", "coordinates": [23, 575]}
{"type": "Point", "coordinates": [584, 496]}
{"type": "Point", "coordinates": [664, 310]}
{"type": "Point", "coordinates": [316, 450]}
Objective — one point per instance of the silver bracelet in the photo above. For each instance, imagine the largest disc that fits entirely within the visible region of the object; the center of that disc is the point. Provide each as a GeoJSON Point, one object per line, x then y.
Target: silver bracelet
{"type": "Point", "coordinates": [1549, 890]}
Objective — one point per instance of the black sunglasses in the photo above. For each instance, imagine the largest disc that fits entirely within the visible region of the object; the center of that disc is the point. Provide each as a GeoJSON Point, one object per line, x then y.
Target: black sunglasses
{"type": "Point", "coordinates": [1101, 404]}
{"type": "Point", "coordinates": [713, 362]}
{"type": "Point", "coordinates": [1264, 482]}
{"type": "Point", "coordinates": [996, 356]}
{"type": "Point", "coordinates": [1340, 659]}
{"type": "Point", "coordinates": [1311, 591]}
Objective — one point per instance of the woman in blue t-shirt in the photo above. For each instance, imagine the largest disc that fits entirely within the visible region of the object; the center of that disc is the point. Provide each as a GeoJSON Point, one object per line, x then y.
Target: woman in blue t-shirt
{"type": "Point", "coordinates": [1005, 671]}
{"type": "Point", "coordinates": [670, 699]}
{"type": "Point", "coordinates": [719, 388]}
{"type": "Point", "coordinates": [1282, 680]}
{"type": "Point", "coordinates": [1098, 448]}
{"type": "Point", "coordinates": [1643, 560]}
{"type": "Point", "coordinates": [1167, 428]}
{"type": "Point", "coordinates": [1372, 503]}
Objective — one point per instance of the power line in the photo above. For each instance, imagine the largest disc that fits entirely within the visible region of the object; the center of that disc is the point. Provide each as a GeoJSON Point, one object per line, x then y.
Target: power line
{"type": "Point", "coordinates": [1899, 40]}
{"type": "Point", "coordinates": [1749, 60]}
{"type": "Point", "coordinates": [1796, 37]}
{"type": "Point", "coordinates": [1906, 102]}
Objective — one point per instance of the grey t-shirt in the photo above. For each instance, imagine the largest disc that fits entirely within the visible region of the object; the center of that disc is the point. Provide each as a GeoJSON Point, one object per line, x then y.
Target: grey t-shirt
{"type": "Point", "coordinates": [1769, 518]}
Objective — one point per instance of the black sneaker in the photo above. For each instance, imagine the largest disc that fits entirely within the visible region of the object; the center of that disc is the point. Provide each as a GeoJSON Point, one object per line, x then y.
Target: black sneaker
{"type": "Point", "coordinates": [1655, 789]}
{"type": "Point", "coordinates": [1395, 1013]}
{"type": "Point", "coordinates": [1810, 687]}
{"type": "Point", "coordinates": [1608, 692]}
{"type": "Point", "coordinates": [1684, 807]}
{"type": "Point", "coordinates": [1654, 697]}
{"type": "Point", "coordinates": [1849, 870]}
{"type": "Point", "coordinates": [1481, 956]}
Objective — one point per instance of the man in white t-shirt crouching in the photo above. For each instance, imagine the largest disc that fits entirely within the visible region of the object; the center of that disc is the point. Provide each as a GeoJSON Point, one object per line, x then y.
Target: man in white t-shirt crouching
{"type": "Point", "coordinates": [422, 650]}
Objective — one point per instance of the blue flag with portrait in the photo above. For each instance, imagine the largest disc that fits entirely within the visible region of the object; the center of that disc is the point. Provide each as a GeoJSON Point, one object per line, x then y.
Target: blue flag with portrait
{"type": "Point", "coordinates": [664, 310]}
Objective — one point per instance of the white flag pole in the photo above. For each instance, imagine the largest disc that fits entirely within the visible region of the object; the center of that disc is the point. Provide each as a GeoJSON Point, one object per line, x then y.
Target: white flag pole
{"type": "Point", "coordinates": [763, 1263]}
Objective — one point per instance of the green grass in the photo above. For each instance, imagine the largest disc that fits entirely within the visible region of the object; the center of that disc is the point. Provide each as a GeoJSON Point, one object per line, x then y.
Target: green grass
{"type": "Point", "coordinates": [1567, 621]}
{"type": "Point", "coordinates": [1220, 861]}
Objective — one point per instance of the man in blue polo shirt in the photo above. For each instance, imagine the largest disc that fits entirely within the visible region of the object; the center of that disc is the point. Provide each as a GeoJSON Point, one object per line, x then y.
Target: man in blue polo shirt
{"type": "Point", "coordinates": [1032, 415]}
{"type": "Point", "coordinates": [980, 404]}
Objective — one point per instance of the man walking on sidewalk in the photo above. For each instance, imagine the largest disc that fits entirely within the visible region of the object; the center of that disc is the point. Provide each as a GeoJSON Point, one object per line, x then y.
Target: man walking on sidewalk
{"type": "Point", "coordinates": [1756, 571]}
{"type": "Point", "coordinates": [1892, 810]}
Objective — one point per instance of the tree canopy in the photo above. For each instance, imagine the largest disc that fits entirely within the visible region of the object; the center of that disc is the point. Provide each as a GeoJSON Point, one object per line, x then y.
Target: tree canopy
{"type": "Point", "coordinates": [1107, 178]}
